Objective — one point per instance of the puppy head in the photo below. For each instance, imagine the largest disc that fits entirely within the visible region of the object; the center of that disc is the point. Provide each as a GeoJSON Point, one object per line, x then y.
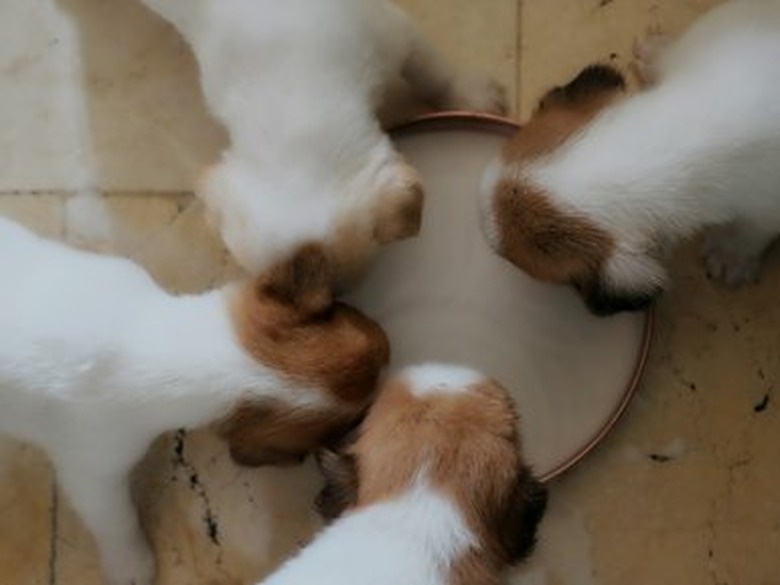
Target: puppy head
{"type": "Point", "coordinates": [458, 428]}
{"type": "Point", "coordinates": [550, 240]}
{"type": "Point", "coordinates": [328, 354]}
{"type": "Point", "coordinates": [259, 216]}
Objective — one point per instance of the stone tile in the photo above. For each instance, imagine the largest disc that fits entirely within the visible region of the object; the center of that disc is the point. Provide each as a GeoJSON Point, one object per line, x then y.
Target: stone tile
{"type": "Point", "coordinates": [211, 518]}
{"type": "Point", "coordinates": [147, 122]}
{"type": "Point", "coordinates": [478, 36]}
{"type": "Point", "coordinates": [559, 37]}
{"type": "Point", "coordinates": [105, 95]}
{"type": "Point", "coordinates": [685, 488]}
{"type": "Point", "coordinates": [166, 234]}
{"type": "Point", "coordinates": [40, 212]}
{"type": "Point", "coordinates": [209, 521]}
{"type": "Point", "coordinates": [26, 496]}
{"type": "Point", "coordinates": [76, 560]}
{"type": "Point", "coordinates": [97, 94]}
{"type": "Point", "coordinates": [42, 113]}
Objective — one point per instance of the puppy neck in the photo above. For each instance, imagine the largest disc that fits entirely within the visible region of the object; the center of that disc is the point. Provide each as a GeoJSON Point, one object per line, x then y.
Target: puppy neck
{"type": "Point", "coordinates": [187, 347]}
{"type": "Point", "coordinates": [643, 165]}
{"type": "Point", "coordinates": [417, 536]}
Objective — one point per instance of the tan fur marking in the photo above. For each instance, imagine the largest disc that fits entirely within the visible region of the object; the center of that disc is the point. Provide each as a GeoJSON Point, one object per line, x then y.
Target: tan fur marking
{"type": "Point", "coordinates": [545, 242]}
{"type": "Point", "coordinates": [274, 434]}
{"type": "Point", "coordinates": [558, 117]}
{"type": "Point", "coordinates": [288, 320]}
{"type": "Point", "coordinates": [399, 213]}
{"type": "Point", "coordinates": [350, 249]}
{"type": "Point", "coordinates": [469, 447]}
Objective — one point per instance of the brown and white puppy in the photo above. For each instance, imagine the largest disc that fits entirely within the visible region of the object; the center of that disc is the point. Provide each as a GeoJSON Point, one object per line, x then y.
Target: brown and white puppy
{"type": "Point", "coordinates": [595, 188]}
{"type": "Point", "coordinates": [548, 239]}
{"type": "Point", "coordinates": [296, 84]}
{"type": "Point", "coordinates": [96, 361]}
{"type": "Point", "coordinates": [432, 490]}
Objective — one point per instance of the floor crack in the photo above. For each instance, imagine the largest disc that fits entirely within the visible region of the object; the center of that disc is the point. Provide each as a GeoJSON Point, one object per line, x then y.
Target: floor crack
{"type": "Point", "coordinates": [53, 532]}
{"type": "Point", "coordinates": [209, 518]}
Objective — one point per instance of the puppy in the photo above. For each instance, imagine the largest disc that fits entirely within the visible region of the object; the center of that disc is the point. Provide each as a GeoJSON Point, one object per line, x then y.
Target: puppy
{"type": "Point", "coordinates": [433, 490]}
{"type": "Point", "coordinates": [296, 84]}
{"type": "Point", "coordinates": [96, 361]}
{"type": "Point", "coordinates": [596, 187]}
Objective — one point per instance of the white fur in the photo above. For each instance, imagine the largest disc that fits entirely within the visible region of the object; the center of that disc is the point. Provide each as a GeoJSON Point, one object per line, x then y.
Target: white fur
{"type": "Point", "coordinates": [432, 379]}
{"type": "Point", "coordinates": [96, 361]}
{"type": "Point", "coordinates": [699, 147]}
{"type": "Point", "coordinates": [296, 84]}
{"type": "Point", "coordinates": [414, 539]}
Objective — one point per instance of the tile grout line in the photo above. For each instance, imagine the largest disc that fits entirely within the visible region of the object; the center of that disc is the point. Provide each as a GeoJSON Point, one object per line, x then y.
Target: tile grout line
{"type": "Point", "coordinates": [139, 192]}
{"type": "Point", "coordinates": [519, 59]}
{"type": "Point", "coordinates": [53, 530]}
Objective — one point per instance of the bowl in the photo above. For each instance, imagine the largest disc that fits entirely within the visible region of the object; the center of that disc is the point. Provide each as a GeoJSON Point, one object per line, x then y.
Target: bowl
{"type": "Point", "coordinates": [445, 296]}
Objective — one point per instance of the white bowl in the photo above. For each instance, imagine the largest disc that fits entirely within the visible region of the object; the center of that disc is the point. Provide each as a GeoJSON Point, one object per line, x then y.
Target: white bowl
{"type": "Point", "coordinates": [445, 296]}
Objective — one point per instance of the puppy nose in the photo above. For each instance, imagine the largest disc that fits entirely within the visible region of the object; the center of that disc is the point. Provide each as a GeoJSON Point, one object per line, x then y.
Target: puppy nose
{"type": "Point", "coordinates": [604, 303]}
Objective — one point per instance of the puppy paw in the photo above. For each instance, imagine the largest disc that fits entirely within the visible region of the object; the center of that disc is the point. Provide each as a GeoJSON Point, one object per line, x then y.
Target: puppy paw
{"type": "Point", "coordinates": [647, 51]}
{"type": "Point", "coordinates": [479, 93]}
{"type": "Point", "coordinates": [135, 566]}
{"type": "Point", "coordinates": [728, 261]}
{"type": "Point", "coordinates": [399, 213]}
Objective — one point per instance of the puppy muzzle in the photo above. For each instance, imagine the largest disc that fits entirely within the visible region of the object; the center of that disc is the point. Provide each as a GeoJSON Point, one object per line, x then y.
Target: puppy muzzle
{"type": "Point", "coordinates": [603, 302]}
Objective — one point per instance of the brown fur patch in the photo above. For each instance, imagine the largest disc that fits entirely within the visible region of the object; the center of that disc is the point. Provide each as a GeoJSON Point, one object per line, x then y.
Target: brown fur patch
{"type": "Point", "coordinates": [469, 445]}
{"type": "Point", "coordinates": [564, 111]}
{"type": "Point", "coordinates": [288, 320]}
{"type": "Point", "coordinates": [399, 214]}
{"type": "Point", "coordinates": [275, 434]}
{"type": "Point", "coordinates": [545, 242]}
{"type": "Point", "coordinates": [341, 487]}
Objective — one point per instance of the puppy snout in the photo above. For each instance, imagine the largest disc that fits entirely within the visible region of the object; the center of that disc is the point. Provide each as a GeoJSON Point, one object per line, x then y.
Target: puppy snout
{"type": "Point", "coordinates": [605, 303]}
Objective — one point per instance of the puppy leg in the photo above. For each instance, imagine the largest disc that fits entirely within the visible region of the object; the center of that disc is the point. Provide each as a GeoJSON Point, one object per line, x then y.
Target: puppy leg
{"type": "Point", "coordinates": [443, 86]}
{"type": "Point", "coordinates": [393, 213]}
{"type": "Point", "coordinates": [399, 208]}
{"type": "Point", "coordinates": [102, 500]}
{"type": "Point", "coordinates": [732, 253]}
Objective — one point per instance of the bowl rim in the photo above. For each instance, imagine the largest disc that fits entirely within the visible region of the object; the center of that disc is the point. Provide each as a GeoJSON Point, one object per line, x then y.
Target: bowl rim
{"type": "Point", "coordinates": [460, 120]}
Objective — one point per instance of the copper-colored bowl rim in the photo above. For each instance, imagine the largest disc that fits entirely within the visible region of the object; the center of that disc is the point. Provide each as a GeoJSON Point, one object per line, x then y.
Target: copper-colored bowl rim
{"type": "Point", "coordinates": [463, 120]}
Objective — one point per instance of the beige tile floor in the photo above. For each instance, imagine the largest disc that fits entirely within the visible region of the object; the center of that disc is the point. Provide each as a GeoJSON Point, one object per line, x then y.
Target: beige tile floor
{"type": "Point", "coordinates": [100, 97]}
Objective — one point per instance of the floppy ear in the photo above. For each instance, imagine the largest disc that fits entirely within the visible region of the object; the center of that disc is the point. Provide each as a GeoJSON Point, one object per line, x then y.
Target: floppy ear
{"type": "Point", "coordinates": [341, 483]}
{"type": "Point", "coordinates": [248, 431]}
{"type": "Point", "coordinates": [543, 240]}
{"type": "Point", "coordinates": [592, 84]}
{"type": "Point", "coordinates": [304, 281]}
{"type": "Point", "coordinates": [520, 517]}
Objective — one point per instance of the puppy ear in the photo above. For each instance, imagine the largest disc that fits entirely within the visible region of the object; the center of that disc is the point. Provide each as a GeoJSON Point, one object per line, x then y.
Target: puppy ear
{"type": "Point", "coordinates": [518, 521]}
{"type": "Point", "coordinates": [304, 281]}
{"type": "Point", "coordinates": [341, 483]}
{"type": "Point", "coordinates": [593, 83]}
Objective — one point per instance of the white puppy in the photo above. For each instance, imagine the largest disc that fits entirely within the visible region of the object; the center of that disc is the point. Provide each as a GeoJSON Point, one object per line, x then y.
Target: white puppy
{"type": "Point", "coordinates": [96, 361]}
{"type": "Point", "coordinates": [434, 489]}
{"type": "Point", "coordinates": [297, 84]}
{"type": "Point", "coordinates": [595, 187]}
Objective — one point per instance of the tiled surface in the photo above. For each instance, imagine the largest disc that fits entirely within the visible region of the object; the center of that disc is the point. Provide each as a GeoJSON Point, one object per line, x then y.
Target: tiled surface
{"type": "Point", "coordinates": [98, 93]}
{"type": "Point", "coordinates": [479, 36]}
{"type": "Point", "coordinates": [99, 96]}
{"type": "Point", "coordinates": [559, 37]}
{"type": "Point", "coordinates": [26, 515]}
